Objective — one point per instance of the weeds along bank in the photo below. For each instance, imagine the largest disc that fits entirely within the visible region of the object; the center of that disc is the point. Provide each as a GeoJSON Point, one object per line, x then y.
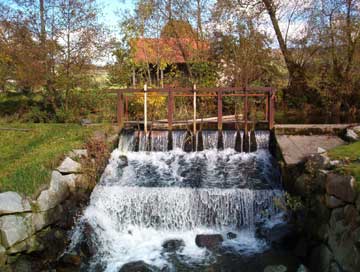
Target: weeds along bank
{"type": "Point", "coordinates": [33, 230]}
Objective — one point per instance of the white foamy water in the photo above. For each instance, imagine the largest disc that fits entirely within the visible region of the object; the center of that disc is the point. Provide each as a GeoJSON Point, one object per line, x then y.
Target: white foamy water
{"type": "Point", "coordinates": [147, 198]}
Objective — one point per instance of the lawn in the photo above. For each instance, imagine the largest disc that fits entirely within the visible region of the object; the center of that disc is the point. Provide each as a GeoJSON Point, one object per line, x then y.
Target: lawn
{"type": "Point", "coordinates": [27, 157]}
{"type": "Point", "coordinates": [350, 154]}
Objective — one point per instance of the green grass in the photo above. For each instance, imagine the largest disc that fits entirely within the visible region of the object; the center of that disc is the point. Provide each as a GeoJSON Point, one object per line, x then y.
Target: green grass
{"type": "Point", "coordinates": [350, 154]}
{"type": "Point", "coordinates": [27, 157]}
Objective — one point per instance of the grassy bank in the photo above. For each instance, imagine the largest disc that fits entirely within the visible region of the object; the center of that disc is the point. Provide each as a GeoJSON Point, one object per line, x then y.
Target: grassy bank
{"type": "Point", "coordinates": [350, 154]}
{"type": "Point", "coordinates": [27, 157]}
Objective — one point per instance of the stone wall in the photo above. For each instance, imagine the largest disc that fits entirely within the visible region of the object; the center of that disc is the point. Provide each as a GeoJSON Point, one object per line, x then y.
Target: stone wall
{"type": "Point", "coordinates": [330, 220]}
{"type": "Point", "coordinates": [33, 231]}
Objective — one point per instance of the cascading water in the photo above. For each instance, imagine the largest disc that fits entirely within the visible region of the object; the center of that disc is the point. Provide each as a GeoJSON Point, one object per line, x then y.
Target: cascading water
{"type": "Point", "coordinates": [147, 198]}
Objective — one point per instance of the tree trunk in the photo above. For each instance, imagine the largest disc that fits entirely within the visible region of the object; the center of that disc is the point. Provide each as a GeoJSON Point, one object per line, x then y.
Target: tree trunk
{"type": "Point", "coordinates": [298, 88]}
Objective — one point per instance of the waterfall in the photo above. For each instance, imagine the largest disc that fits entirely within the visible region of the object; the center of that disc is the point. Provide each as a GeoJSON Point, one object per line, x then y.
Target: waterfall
{"type": "Point", "coordinates": [210, 139]}
{"type": "Point", "coordinates": [159, 140]}
{"type": "Point", "coordinates": [229, 137]}
{"type": "Point", "coordinates": [160, 208]}
{"type": "Point", "coordinates": [147, 198]}
{"type": "Point", "coordinates": [143, 141]}
{"type": "Point", "coordinates": [178, 138]}
{"type": "Point", "coordinates": [127, 141]}
{"type": "Point", "coordinates": [262, 139]}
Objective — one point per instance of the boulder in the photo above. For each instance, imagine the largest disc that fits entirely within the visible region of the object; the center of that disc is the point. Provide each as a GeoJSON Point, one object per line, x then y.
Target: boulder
{"type": "Point", "coordinates": [275, 268]}
{"type": "Point", "coordinates": [78, 153]}
{"type": "Point", "coordinates": [13, 229]}
{"type": "Point", "coordinates": [12, 202]}
{"type": "Point", "coordinates": [85, 122]}
{"type": "Point", "coordinates": [69, 166]}
{"type": "Point", "coordinates": [334, 267]}
{"type": "Point", "coordinates": [335, 163]}
{"type": "Point", "coordinates": [138, 266]}
{"type": "Point", "coordinates": [320, 258]}
{"type": "Point", "coordinates": [123, 161]}
{"type": "Point", "coordinates": [343, 239]}
{"type": "Point", "coordinates": [343, 187]}
{"type": "Point", "coordinates": [41, 220]}
{"type": "Point", "coordinates": [351, 216]}
{"type": "Point", "coordinates": [72, 182]}
{"type": "Point", "coordinates": [356, 129]}
{"type": "Point", "coordinates": [351, 135]}
{"type": "Point", "coordinates": [173, 245]}
{"type": "Point", "coordinates": [333, 202]}
{"type": "Point", "coordinates": [357, 203]}
{"type": "Point", "coordinates": [58, 192]}
{"type": "Point", "coordinates": [3, 256]}
{"type": "Point", "coordinates": [316, 162]}
{"type": "Point", "coordinates": [28, 246]}
{"type": "Point", "coordinates": [231, 235]}
{"type": "Point", "coordinates": [302, 268]}
{"type": "Point", "coordinates": [276, 234]}
{"type": "Point", "coordinates": [209, 241]}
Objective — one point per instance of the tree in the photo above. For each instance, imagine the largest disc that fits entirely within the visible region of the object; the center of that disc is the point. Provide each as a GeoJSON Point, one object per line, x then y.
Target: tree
{"type": "Point", "coordinates": [79, 39]}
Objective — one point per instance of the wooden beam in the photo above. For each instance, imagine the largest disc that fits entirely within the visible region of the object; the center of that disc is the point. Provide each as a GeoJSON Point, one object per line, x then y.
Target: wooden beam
{"type": "Point", "coordinates": [194, 110]}
{"type": "Point", "coordinates": [134, 77]}
{"type": "Point", "coordinates": [145, 109]}
{"type": "Point", "coordinates": [220, 111]}
{"type": "Point", "coordinates": [267, 107]}
{"type": "Point", "coordinates": [120, 109]}
{"type": "Point", "coordinates": [272, 110]}
{"type": "Point", "coordinates": [246, 112]}
{"type": "Point", "coordinates": [126, 108]}
{"type": "Point", "coordinates": [198, 90]}
{"type": "Point", "coordinates": [170, 109]}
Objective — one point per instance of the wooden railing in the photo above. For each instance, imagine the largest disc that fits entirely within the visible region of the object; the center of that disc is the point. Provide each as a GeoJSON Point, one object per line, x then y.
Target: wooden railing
{"type": "Point", "coordinates": [246, 92]}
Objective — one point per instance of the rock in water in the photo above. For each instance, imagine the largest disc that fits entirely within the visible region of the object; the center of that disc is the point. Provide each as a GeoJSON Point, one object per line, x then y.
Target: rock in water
{"type": "Point", "coordinates": [138, 266]}
{"type": "Point", "coordinates": [123, 161]}
{"type": "Point", "coordinates": [231, 235]}
{"type": "Point", "coordinates": [275, 268]}
{"type": "Point", "coordinates": [277, 234]}
{"type": "Point", "coordinates": [173, 245]}
{"type": "Point", "coordinates": [209, 241]}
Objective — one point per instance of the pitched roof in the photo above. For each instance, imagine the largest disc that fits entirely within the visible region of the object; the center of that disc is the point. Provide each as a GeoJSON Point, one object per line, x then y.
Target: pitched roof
{"type": "Point", "coordinates": [168, 50]}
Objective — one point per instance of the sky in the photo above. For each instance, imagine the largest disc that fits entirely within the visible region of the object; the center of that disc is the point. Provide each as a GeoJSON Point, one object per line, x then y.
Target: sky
{"type": "Point", "coordinates": [110, 9]}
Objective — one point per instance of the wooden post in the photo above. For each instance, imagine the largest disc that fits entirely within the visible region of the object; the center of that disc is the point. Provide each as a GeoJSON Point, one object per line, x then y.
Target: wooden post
{"type": "Point", "coordinates": [133, 77]}
{"type": "Point", "coordinates": [271, 109]}
{"type": "Point", "coordinates": [246, 112]}
{"type": "Point", "coordinates": [120, 108]}
{"type": "Point", "coordinates": [220, 113]}
{"type": "Point", "coordinates": [145, 109]}
{"type": "Point", "coordinates": [267, 108]}
{"type": "Point", "coordinates": [170, 109]}
{"type": "Point", "coordinates": [126, 108]}
{"type": "Point", "coordinates": [194, 116]}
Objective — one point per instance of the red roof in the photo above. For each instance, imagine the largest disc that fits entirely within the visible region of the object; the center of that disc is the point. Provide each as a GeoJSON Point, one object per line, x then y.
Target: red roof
{"type": "Point", "coordinates": [169, 50]}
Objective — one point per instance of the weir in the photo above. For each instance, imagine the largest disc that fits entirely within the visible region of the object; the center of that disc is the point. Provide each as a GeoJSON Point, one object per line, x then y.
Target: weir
{"type": "Point", "coordinates": [205, 139]}
{"type": "Point", "coordinates": [151, 195]}
{"type": "Point", "coordinates": [264, 95]}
